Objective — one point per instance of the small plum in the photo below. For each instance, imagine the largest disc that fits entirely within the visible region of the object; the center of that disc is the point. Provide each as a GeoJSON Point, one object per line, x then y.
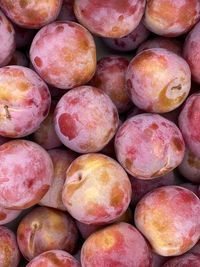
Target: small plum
{"type": "Point", "coordinates": [87, 177]}
{"type": "Point", "coordinates": [171, 18]}
{"type": "Point", "coordinates": [9, 252]}
{"type": "Point", "coordinates": [61, 158]}
{"type": "Point", "coordinates": [110, 77]}
{"type": "Point", "coordinates": [7, 37]}
{"type": "Point", "coordinates": [45, 229]}
{"type": "Point", "coordinates": [149, 146]}
{"type": "Point", "coordinates": [186, 260]}
{"type": "Point", "coordinates": [26, 173]}
{"type": "Point", "coordinates": [64, 54]}
{"type": "Point", "coordinates": [119, 245]}
{"type": "Point", "coordinates": [24, 101]}
{"type": "Point", "coordinates": [46, 135]}
{"type": "Point", "coordinates": [162, 42]}
{"type": "Point", "coordinates": [31, 14]}
{"type": "Point", "coordinates": [113, 19]}
{"type": "Point", "coordinates": [190, 167]}
{"type": "Point", "coordinates": [189, 120]}
{"type": "Point", "coordinates": [141, 187]}
{"type": "Point", "coordinates": [86, 119]}
{"type": "Point", "coordinates": [130, 41]}
{"type": "Point", "coordinates": [169, 217]}
{"type": "Point", "coordinates": [54, 258]}
{"type": "Point", "coordinates": [158, 80]}
{"type": "Point", "coordinates": [191, 52]}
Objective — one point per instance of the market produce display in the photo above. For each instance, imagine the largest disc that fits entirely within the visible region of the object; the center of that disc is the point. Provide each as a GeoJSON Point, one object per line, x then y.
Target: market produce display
{"type": "Point", "coordinates": [100, 133]}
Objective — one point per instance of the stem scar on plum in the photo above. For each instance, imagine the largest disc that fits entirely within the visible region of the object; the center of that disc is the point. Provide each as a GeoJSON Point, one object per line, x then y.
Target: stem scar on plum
{"type": "Point", "coordinates": [178, 87]}
{"type": "Point", "coordinates": [8, 116]}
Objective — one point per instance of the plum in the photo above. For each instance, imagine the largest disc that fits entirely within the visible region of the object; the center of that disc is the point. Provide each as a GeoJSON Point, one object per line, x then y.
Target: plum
{"type": "Point", "coordinates": [87, 177]}
{"type": "Point", "coordinates": [26, 173]}
{"type": "Point", "coordinates": [24, 101]}
{"type": "Point", "coordinates": [19, 59]}
{"type": "Point", "coordinates": [189, 120]}
{"type": "Point", "coordinates": [119, 245]}
{"type": "Point", "coordinates": [86, 119]}
{"type": "Point", "coordinates": [7, 37]}
{"type": "Point", "coordinates": [149, 146]}
{"type": "Point", "coordinates": [62, 158]}
{"type": "Point", "coordinates": [64, 54]}
{"type": "Point", "coordinates": [110, 77]}
{"type": "Point", "coordinates": [188, 259]}
{"type": "Point", "coordinates": [190, 167]}
{"type": "Point", "coordinates": [158, 80]}
{"type": "Point", "coordinates": [111, 18]}
{"type": "Point", "coordinates": [31, 14]}
{"type": "Point", "coordinates": [171, 18]}
{"type": "Point", "coordinates": [45, 229]}
{"type": "Point", "coordinates": [162, 42]}
{"type": "Point", "coordinates": [54, 258]}
{"type": "Point", "coordinates": [9, 252]}
{"type": "Point", "coordinates": [169, 217]}
{"type": "Point", "coordinates": [130, 41]}
{"type": "Point", "coordinates": [191, 52]}
{"type": "Point", "coordinates": [46, 135]}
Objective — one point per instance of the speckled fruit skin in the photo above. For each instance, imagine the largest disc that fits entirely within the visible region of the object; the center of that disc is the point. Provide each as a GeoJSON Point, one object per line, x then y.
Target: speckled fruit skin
{"type": "Point", "coordinates": [7, 37]}
{"type": "Point", "coordinates": [149, 146]}
{"type": "Point", "coordinates": [87, 177]}
{"type": "Point", "coordinates": [169, 217]}
{"type": "Point", "coordinates": [24, 101]}
{"type": "Point", "coordinates": [191, 52]}
{"type": "Point", "coordinates": [130, 41]}
{"type": "Point", "coordinates": [87, 229]}
{"type": "Point", "coordinates": [54, 258]}
{"type": "Point", "coordinates": [62, 158]}
{"type": "Point", "coordinates": [190, 167]}
{"type": "Point", "coordinates": [31, 14]}
{"type": "Point", "coordinates": [170, 44]}
{"type": "Point", "coordinates": [86, 119]}
{"type": "Point", "coordinates": [45, 229]}
{"type": "Point", "coordinates": [110, 77]}
{"type": "Point", "coordinates": [113, 19]}
{"type": "Point", "coordinates": [9, 252]}
{"type": "Point", "coordinates": [186, 260]}
{"type": "Point", "coordinates": [26, 172]}
{"type": "Point", "coordinates": [19, 59]}
{"type": "Point", "coordinates": [141, 187]}
{"type": "Point", "coordinates": [64, 54]}
{"type": "Point", "coordinates": [46, 135]}
{"type": "Point", "coordinates": [189, 120]}
{"type": "Point", "coordinates": [7, 216]}
{"type": "Point", "coordinates": [158, 80]}
{"type": "Point", "coordinates": [171, 18]}
{"type": "Point", "coordinates": [67, 11]}
{"type": "Point", "coordinates": [119, 245]}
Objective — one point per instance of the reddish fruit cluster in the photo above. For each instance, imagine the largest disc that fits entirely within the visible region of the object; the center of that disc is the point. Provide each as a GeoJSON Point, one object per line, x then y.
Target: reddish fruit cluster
{"type": "Point", "coordinates": [99, 133]}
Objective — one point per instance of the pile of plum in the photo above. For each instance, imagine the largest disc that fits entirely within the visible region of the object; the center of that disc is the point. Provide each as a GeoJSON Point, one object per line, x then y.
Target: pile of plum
{"type": "Point", "coordinates": [100, 133]}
